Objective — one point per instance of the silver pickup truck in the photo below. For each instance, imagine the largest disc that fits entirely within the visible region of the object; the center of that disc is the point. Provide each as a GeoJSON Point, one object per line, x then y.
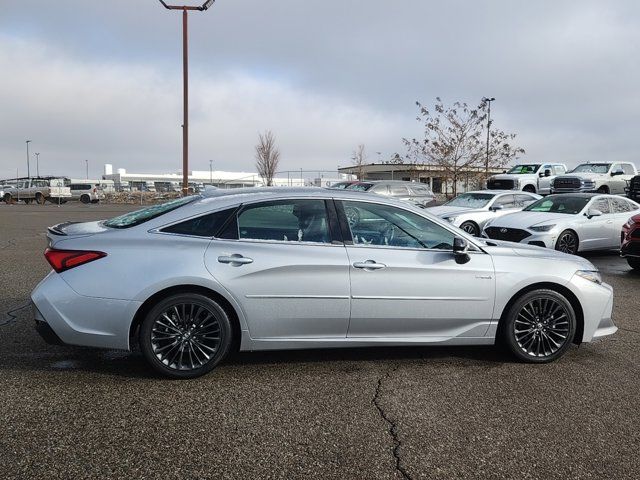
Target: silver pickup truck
{"type": "Point", "coordinates": [37, 189]}
{"type": "Point", "coordinates": [605, 177]}
{"type": "Point", "coordinates": [532, 177]}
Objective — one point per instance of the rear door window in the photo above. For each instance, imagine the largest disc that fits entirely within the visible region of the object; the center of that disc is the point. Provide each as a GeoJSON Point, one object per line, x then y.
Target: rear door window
{"type": "Point", "coordinates": [303, 220]}
{"type": "Point", "coordinates": [399, 191]}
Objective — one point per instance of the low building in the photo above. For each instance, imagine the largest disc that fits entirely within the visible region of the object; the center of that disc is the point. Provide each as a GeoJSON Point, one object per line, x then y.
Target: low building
{"type": "Point", "coordinates": [470, 178]}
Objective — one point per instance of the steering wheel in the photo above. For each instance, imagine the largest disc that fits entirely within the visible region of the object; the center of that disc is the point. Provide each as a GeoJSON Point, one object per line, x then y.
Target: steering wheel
{"type": "Point", "coordinates": [353, 216]}
{"type": "Point", "coordinates": [389, 233]}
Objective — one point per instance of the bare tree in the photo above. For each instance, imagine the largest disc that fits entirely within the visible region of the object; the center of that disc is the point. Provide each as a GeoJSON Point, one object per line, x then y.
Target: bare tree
{"type": "Point", "coordinates": [359, 158]}
{"type": "Point", "coordinates": [454, 140]}
{"type": "Point", "coordinates": [267, 157]}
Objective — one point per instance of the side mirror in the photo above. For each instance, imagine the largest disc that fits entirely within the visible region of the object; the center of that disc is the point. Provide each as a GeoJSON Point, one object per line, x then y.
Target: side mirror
{"type": "Point", "coordinates": [547, 173]}
{"type": "Point", "coordinates": [460, 248]}
{"type": "Point", "coordinates": [592, 212]}
{"type": "Point", "coordinates": [617, 172]}
{"type": "Point", "coordinates": [541, 174]}
{"type": "Point", "coordinates": [495, 208]}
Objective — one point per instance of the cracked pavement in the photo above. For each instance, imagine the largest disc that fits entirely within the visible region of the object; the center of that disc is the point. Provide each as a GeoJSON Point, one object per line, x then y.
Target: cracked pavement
{"type": "Point", "coordinates": [419, 413]}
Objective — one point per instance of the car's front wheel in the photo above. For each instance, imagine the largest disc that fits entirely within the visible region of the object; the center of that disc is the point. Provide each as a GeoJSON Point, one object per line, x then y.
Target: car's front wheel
{"type": "Point", "coordinates": [471, 228]}
{"type": "Point", "coordinates": [567, 242]}
{"type": "Point", "coordinates": [634, 263]}
{"type": "Point", "coordinates": [185, 335]}
{"type": "Point", "coordinates": [539, 327]}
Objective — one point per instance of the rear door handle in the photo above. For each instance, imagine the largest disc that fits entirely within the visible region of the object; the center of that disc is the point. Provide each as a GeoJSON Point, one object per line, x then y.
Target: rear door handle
{"type": "Point", "coordinates": [235, 259]}
{"type": "Point", "coordinates": [369, 265]}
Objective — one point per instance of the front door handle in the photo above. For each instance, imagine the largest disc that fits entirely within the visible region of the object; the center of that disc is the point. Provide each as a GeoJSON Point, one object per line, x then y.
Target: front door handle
{"type": "Point", "coordinates": [235, 259]}
{"type": "Point", "coordinates": [369, 265]}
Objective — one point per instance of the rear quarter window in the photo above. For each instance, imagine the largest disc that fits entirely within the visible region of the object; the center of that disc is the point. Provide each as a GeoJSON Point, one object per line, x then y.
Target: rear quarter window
{"type": "Point", "coordinates": [132, 219]}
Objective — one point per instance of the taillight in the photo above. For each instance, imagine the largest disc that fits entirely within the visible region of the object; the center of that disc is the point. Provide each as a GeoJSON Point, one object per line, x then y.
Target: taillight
{"type": "Point", "coordinates": [61, 260]}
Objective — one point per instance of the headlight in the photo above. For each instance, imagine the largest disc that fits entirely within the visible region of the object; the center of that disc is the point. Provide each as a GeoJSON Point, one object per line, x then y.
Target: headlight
{"type": "Point", "coordinates": [450, 219]}
{"type": "Point", "coordinates": [542, 228]}
{"type": "Point", "coordinates": [630, 223]}
{"type": "Point", "coordinates": [591, 275]}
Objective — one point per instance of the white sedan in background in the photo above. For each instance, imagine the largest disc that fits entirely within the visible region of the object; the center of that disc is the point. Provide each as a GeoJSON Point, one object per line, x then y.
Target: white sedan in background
{"type": "Point", "coordinates": [570, 223]}
{"type": "Point", "coordinates": [471, 211]}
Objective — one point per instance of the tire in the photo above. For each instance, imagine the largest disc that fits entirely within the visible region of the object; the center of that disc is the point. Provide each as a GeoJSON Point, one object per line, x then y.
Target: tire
{"type": "Point", "coordinates": [85, 198]}
{"type": "Point", "coordinates": [634, 263]}
{"type": "Point", "coordinates": [39, 198]}
{"type": "Point", "coordinates": [471, 228]}
{"type": "Point", "coordinates": [95, 201]}
{"type": "Point", "coordinates": [27, 200]}
{"type": "Point", "coordinates": [568, 242]}
{"type": "Point", "coordinates": [539, 327]}
{"type": "Point", "coordinates": [603, 190]}
{"type": "Point", "coordinates": [529, 188]}
{"type": "Point", "coordinates": [179, 346]}
{"type": "Point", "coordinates": [7, 198]}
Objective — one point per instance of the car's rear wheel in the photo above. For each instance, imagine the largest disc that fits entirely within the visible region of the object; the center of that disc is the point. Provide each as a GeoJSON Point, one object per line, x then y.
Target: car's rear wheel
{"type": "Point", "coordinates": [567, 242]}
{"type": "Point", "coordinates": [39, 198]}
{"type": "Point", "coordinates": [471, 228]}
{"type": "Point", "coordinates": [539, 327]}
{"type": "Point", "coordinates": [185, 335]}
{"type": "Point", "coordinates": [529, 189]}
{"type": "Point", "coordinates": [85, 198]}
{"type": "Point", "coordinates": [7, 198]}
{"type": "Point", "coordinates": [634, 263]}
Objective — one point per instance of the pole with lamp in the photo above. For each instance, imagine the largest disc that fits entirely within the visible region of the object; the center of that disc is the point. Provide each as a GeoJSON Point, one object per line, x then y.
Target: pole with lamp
{"type": "Point", "coordinates": [37, 164]}
{"type": "Point", "coordinates": [28, 170]}
{"type": "Point", "coordinates": [488, 101]}
{"type": "Point", "coordinates": [210, 172]}
{"type": "Point", "coordinates": [185, 86]}
{"type": "Point", "coordinates": [86, 162]}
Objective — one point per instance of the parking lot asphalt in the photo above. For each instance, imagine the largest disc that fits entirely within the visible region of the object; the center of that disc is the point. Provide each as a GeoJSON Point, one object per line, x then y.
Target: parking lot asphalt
{"type": "Point", "coordinates": [433, 413]}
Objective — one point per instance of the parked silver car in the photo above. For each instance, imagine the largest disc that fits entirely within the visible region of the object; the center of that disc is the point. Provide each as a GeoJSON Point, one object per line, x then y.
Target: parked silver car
{"type": "Point", "coordinates": [417, 193]}
{"type": "Point", "coordinates": [470, 211]}
{"type": "Point", "coordinates": [86, 192]}
{"type": "Point", "coordinates": [569, 222]}
{"type": "Point", "coordinates": [279, 268]}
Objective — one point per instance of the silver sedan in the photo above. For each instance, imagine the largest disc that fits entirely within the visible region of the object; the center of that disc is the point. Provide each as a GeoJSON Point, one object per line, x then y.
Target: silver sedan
{"type": "Point", "coordinates": [266, 269]}
{"type": "Point", "coordinates": [569, 222]}
{"type": "Point", "coordinates": [470, 211]}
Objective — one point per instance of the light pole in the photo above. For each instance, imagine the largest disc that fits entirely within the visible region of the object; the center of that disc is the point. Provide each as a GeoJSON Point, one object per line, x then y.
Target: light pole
{"type": "Point", "coordinates": [211, 172]}
{"type": "Point", "coordinates": [28, 171]}
{"type": "Point", "coordinates": [86, 162]}
{"type": "Point", "coordinates": [185, 87]}
{"type": "Point", "coordinates": [488, 102]}
{"type": "Point", "coordinates": [37, 164]}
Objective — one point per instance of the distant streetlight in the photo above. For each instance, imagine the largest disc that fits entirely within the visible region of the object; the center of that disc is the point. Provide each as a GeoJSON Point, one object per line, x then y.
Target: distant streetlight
{"type": "Point", "coordinates": [185, 86]}
{"type": "Point", "coordinates": [211, 172]}
{"type": "Point", "coordinates": [37, 164]}
{"type": "Point", "coordinates": [86, 162]}
{"type": "Point", "coordinates": [488, 101]}
{"type": "Point", "coordinates": [28, 171]}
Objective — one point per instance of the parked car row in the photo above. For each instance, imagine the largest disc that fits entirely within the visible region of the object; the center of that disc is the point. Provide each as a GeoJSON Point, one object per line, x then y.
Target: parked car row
{"type": "Point", "coordinates": [544, 179]}
{"type": "Point", "coordinates": [52, 189]}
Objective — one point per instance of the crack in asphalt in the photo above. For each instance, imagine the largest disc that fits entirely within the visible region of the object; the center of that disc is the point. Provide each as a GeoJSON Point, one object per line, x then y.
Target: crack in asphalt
{"type": "Point", "coordinates": [9, 316]}
{"type": "Point", "coordinates": [8, 243]}
{"type": "Point", "coordinates": [393, 428]}
{"type": "Point", "coordinates": [628, 330]}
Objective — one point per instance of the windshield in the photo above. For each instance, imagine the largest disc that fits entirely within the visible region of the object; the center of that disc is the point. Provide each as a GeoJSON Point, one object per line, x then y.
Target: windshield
{"type": "Point", "coordinates": [560, 204]}
{"type": "Point", "coordinates": [361, 187]}
{"type": "Point", "coordinates": [470, 200]}
{"type": "Point", "coordinates": [520, 169]}
{"type": "Point", "coordinates": [592, 168]}
{"type": "Point", "coordinates": [140, 216]}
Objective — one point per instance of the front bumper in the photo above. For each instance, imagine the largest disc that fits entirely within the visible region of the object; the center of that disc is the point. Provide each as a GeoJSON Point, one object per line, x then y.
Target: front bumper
{"type": "Point", "coordinates": [597, 306]}
{"type": "Point", "coordinates": [540, 239]}
{"type": "Point", "coordinates": [76, 319]}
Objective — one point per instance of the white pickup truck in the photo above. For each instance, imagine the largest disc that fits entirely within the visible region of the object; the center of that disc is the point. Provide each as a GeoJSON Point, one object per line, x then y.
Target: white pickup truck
{"type": "Point", "coordinates": [596, 177]}
{"type": "Point", "coordinates": [532, 177]}
{"type": "Point", "coordinates": [38, 189]}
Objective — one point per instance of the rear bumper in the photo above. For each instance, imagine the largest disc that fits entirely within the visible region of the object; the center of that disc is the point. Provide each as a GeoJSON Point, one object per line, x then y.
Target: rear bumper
{"type": "Point", "coordinates": [76, 319]}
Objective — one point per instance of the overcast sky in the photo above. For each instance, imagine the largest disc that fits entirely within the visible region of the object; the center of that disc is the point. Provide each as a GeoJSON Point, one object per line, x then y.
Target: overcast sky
{"type": "Point", "coordinates": [102, 80]}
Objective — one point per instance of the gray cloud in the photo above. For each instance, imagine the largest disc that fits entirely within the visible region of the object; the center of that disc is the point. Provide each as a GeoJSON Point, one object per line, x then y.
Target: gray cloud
{"type": "Point", "coordinates": [102, 80]}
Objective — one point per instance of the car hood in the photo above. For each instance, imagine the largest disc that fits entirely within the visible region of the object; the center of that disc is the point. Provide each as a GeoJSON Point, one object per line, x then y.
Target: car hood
{"type": "Point", "coordinates": [444, 211]}
{"type": "Point", "coordinates": [512, 176]}
{"type": "Point", "coordinates": [583, 175]}
{"type": "Point", "coordinates": [498, 247]}
{"type": "Point", "coordinates": [526, 219]}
